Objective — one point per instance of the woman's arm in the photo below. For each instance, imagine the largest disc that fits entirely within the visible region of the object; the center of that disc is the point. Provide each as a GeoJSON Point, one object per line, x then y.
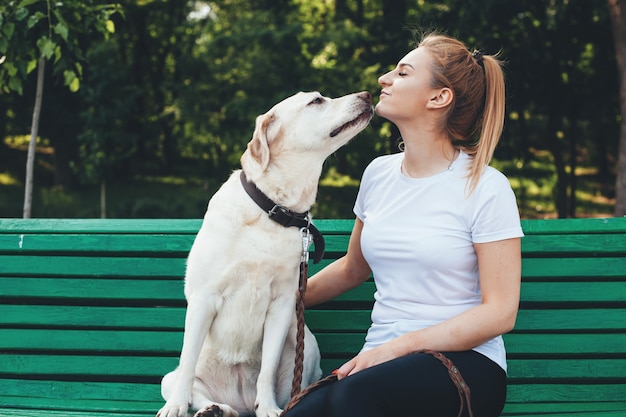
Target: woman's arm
{"type": "Point", "coordinates": [499, 265]}
{"type": "Point", "coordinates": [340, 276]}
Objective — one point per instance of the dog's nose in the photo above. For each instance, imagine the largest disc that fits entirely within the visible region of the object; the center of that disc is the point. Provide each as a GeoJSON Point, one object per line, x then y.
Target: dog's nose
{"type": "Point", "coordinates": [365, 96]}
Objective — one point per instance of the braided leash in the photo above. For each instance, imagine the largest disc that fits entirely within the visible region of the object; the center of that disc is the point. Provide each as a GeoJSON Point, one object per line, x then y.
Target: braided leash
{"type": "Point", "coordinates": [456, 377]}
{"type": "Point", "coordinates": [304, 275]}
{"type": "Point", "coordinates": [295, 399]}
{"type": "Point", "coordinates": [299, 359]}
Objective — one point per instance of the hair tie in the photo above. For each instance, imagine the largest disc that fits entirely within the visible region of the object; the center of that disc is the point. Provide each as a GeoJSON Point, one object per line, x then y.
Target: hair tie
{"type": "Point", "coordinates": [478, 56]}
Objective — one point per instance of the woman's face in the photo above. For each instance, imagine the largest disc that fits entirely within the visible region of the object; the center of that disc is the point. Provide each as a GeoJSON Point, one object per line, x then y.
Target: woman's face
{"type": "Point", "coordinates": [406, 90]}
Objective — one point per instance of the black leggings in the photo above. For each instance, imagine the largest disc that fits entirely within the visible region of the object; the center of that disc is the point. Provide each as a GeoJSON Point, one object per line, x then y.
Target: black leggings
{"type": "Point", "coordinates": [416, 385]}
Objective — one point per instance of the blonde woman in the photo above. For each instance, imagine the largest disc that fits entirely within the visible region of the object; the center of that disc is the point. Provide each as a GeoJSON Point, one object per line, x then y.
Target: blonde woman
{"type": "Point", "coordinates": [440, 231]}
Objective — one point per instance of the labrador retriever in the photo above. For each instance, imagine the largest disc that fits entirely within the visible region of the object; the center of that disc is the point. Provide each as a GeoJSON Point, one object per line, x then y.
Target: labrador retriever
{"type": "Point", "coordinates": [242, 271]}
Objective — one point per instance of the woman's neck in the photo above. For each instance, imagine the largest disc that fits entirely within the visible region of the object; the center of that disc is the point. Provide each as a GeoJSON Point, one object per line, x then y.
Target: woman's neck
{"type": "Point", "coordinates": [427, 155]}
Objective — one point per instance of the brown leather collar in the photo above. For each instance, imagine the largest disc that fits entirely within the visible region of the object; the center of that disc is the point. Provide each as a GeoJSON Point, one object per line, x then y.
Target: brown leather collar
{"type": "Point", "coordinates": [284, 216]}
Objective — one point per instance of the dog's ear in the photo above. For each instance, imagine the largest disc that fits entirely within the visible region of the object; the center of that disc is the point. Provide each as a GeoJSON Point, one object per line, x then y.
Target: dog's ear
{"type": "Point", "coordinates": [257, 157]}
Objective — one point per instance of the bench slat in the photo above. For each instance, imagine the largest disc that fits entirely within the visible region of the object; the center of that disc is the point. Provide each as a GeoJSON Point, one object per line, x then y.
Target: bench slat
{"type": "Point", "coordinates": [169, 245]}
{"type": "Point", "coordinates": [573, 245]}
{"type": "Point", "coordinates": [610, 225]}
{"type": "Point", "coordinates": [99, 266]}
{"type": "Point", "coordinates": [170, 342]}
{"type": "Point", "coordinates": [79, 390]}
{"type": "Point", "coordinates": [179, 244]}
{"type": "Point", "coordinates": [127, 368]}
{"type": "Point", "coordinates": [86, 366]}
{"type": "Point", "coordinates": [102, 341]}
{"type": "Point", "coordinates": [566, 393]}
{"type": "Point", "coordinates": [163, 318]}
{"type": "Point", "coordinates": [320, 320]}
{"type": "Point", "coordinates": [175, 267]}
{"type": "Point", "coordinates": [536, 320]}
{"type": "Point", "coordinates": [172, 290]}
{"type": "Point", "coordinates": [574, 267]}
{"type": "Point", "coordinates": [89, 288]}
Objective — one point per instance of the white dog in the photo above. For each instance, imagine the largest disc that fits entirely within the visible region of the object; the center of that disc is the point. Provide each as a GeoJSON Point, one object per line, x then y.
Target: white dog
{"type": "Point", "coordinates": [243, 268]}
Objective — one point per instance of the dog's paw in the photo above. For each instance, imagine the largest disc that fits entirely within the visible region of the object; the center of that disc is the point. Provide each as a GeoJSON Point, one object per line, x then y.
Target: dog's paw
{"type": "Point", "coordinates": [268, 411]}
{"type": "Point", "coordinates": [216, 411]}
{"type": "Point", "coordinates": [173, 410]}
{"type": "Point", "coordinates": [212, 411]}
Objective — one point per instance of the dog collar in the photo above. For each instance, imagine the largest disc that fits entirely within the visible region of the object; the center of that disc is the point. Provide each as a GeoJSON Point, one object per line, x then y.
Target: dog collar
{"type": "Point", "coordinates": [284, 216]}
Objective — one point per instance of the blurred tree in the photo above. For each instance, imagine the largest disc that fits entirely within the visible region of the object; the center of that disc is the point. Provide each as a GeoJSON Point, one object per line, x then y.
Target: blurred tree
{"type": "Point", "coordinates": [34, 32]}
{"type": "Point", "coordinates": [618, 23]}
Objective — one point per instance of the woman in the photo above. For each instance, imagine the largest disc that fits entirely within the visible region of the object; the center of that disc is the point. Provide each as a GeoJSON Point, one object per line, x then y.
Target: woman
{"type": "Point", "coordinates": [440, 231]}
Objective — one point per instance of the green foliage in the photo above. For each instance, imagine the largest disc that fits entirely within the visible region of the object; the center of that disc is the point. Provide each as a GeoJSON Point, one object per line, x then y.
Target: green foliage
{"type": "Point", "coordinates": [34, 29]}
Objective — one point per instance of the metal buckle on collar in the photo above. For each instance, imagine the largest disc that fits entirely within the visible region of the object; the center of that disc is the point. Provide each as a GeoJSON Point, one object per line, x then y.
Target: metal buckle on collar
{"type": "Point", "coordinates": [276, 209]}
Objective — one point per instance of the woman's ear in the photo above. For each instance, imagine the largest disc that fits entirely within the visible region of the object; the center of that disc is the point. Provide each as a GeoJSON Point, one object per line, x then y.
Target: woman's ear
{"type": "Point", "coordinates": [441, 99]}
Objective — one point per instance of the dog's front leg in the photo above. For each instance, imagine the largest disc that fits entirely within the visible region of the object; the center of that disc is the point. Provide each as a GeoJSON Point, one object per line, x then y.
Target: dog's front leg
{"type": "Point", "coordinates": [198, 319]}
{"type": "Point", "coordinates": [275, 330]}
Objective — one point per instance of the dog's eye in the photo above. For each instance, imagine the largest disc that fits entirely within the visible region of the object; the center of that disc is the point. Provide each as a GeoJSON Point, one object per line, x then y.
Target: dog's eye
{"type": "Point", "coordinates": [316, 100]}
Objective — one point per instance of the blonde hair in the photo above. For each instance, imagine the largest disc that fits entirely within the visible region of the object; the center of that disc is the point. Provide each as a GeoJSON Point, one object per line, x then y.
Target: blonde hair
{"type": "Point", "coordinates": [475, 119]}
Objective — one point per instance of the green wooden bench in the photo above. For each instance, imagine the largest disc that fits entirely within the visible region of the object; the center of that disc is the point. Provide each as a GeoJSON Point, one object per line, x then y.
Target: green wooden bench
{"type": "Point", "coordinates": [91, 316]}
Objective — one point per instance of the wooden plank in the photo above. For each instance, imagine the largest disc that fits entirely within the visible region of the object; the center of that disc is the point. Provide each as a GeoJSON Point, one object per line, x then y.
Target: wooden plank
{"type": "Point", "coordinates": [191, 226]}
{"type": "Point", "coordinates": [83, 244]}
{"type": "Point", "coordinates": [149, 318]}
{"type": "Point", "coordinates": [569, 245]}
{"type": "Point", "coordinates": [90, 226]}
{"type": "Point", "coordinates": [567, 412]}
{"type": "Point", "coordinates": [95, 341]}
{"type": "Point", "coordinates": [80, 390]}
{"type": "Point", "coordinates": [57, 409]}
{"type": "Point", "coordinates": [88, 365]}
{"type": "Point", "coordinates": [565, 320]}
{"type": "Point", "coordinates": [172, 289]}
{"type": "Point", "coordinates": [333, 344]}
{"type": "Point", "coordinates": [177, 245]}
{"type": "Point", "coordinates": [566, 393]}
{"type": "Point", "coordinates": [574, 267]}
{"type": "Point", "coordinates": [553, 408]}
{"type": "Point", "coordinates": [574, 292]}
{"type": "Point", "coordinates": [81, 288]}
{"type": "Point", "coordinates": [575, 226]}
{"type": "Point", "coordinates": [525, 345]}
{"type": "Point", "coordinates": [560, 320]}
{"type": "Point", "coordinates": [565, 344]}
{"type": "Point", "coordinates": [319, 320]}
{"type": "Point", "coordinates": [338, 320]}
{"type": "Point", "coordinates": [68, 266]}
{"type": "Point", "coordinates": [572, 369]}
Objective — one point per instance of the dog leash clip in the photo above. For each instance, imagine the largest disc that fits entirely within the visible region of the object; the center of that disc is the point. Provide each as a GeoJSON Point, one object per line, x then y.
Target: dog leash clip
{"type": "Point", "coordinates": [306, 242]}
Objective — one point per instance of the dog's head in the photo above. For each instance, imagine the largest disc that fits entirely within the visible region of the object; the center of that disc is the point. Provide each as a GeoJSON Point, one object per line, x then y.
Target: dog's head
{"type": "Point", "coordinates": [305, 127]}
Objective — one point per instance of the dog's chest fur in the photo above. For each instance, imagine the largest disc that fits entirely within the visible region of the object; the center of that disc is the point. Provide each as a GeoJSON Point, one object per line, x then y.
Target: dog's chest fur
{"type": "Point", "coordinates": [247, 262]}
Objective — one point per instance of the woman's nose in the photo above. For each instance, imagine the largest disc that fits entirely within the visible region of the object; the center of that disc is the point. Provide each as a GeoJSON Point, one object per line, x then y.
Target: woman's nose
{"type": "Point", "coordinates": [383, 79]}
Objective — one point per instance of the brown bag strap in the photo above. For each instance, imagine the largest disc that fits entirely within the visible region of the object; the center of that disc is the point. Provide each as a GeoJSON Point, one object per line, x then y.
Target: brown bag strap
{"type": "Point", "coordinates": [453, 371]}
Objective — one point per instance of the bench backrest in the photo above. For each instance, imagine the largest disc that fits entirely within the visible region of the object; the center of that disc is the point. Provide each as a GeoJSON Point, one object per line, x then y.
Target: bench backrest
{"type": "Point", "coordinates": [95, 308]}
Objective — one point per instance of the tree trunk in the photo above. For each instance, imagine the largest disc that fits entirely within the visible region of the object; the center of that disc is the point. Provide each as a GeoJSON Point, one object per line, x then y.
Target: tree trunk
{"type": "Point", "coordinates": [103, 199]}
{"type": "Point", "coordinates": [617, 8]}
{"type": "Point", "coordinates": [30, 159]}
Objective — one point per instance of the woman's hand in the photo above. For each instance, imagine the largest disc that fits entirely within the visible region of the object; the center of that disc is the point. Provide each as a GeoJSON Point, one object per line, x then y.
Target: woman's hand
{"type": "Point", "coordinates": [364, 360]}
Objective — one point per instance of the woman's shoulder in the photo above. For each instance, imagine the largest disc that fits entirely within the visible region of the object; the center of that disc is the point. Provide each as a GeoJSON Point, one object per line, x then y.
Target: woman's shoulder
{"type": "Point", "coordinates": [384, 161]}
{"type": "Point", "coordinates": [491, 177]}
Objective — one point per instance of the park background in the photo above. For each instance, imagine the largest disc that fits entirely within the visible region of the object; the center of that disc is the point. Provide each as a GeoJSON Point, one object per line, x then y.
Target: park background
{"type": "Point", "coordinates": [147, 105]}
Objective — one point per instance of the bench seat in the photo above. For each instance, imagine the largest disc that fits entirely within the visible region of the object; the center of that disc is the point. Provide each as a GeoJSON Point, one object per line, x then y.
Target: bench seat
{"type": "Point", "coordinates": [92, 313]}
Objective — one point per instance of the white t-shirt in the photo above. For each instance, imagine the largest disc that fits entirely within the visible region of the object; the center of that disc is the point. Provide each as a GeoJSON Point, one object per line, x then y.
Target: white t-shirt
{"type": "Point", "coordinates": [418, 236]}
